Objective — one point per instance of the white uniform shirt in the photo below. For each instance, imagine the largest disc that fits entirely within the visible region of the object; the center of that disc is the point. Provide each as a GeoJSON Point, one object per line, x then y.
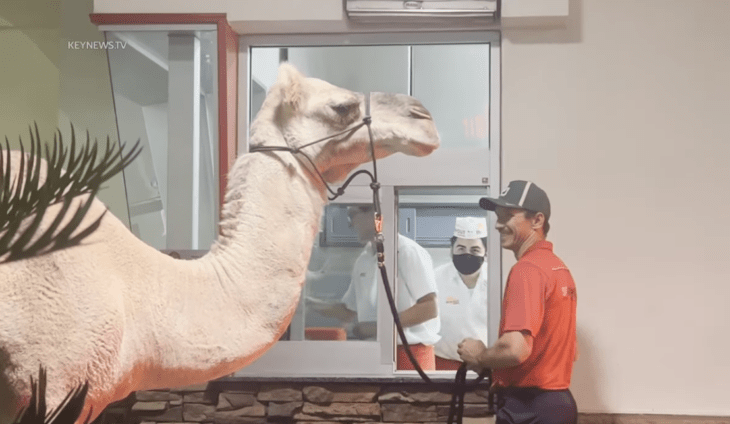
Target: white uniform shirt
{"type": "Point", "coordinates": [463, 311]}
{"type": "Point", "coordinates": [415, 280]}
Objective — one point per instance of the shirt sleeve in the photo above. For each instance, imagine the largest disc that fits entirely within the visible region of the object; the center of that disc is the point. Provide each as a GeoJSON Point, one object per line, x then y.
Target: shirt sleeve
{"type": "Point", "coordinates": [524, 300]}
{"type": "Point", "coordinates": [349, 298]}
{"type": "Point", "coordinates": [416, 268]}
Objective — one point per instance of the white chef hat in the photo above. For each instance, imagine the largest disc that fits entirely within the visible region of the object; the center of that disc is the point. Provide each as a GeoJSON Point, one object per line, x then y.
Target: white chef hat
{"type": "Point", "coordinates": [470, 227]}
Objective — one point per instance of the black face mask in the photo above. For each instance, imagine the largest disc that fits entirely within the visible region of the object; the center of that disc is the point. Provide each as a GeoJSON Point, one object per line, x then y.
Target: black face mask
{"type": "Point", "coordinates": [468, 264]}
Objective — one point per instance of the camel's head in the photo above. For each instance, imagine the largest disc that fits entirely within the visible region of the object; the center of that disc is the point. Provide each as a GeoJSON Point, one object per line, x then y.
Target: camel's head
{"type": "Point", "coordinates": [307, 109]}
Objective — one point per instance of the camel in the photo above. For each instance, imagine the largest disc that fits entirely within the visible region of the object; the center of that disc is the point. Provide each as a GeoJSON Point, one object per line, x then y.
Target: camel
{"type": "Point", "coordinates": [123, 316]}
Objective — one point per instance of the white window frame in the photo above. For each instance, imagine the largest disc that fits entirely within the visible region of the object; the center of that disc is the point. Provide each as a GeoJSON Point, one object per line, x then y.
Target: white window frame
{"type": "Point", "coordinates": [358, 359]}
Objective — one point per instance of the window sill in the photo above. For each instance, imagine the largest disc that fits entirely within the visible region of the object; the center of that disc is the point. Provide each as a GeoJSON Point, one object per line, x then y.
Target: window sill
{"type": "Point", "coordinates": [438, 380]}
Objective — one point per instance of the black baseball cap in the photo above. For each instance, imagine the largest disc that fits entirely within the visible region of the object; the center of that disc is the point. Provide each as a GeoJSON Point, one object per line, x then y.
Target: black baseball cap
{"type": "Point", "coordinates": [521, 195]}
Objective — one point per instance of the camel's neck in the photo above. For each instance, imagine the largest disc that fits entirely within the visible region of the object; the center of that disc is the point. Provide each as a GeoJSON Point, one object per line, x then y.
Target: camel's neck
{"type": "Point", "coordinates": [232, 304]}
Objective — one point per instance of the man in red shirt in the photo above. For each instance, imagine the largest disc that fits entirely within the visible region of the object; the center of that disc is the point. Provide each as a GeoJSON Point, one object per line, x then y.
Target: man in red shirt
{"type": "Point", "coordinates": [532, 361]}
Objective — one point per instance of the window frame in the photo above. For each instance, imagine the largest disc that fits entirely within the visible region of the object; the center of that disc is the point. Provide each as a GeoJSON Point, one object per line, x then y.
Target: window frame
{"type": "Point", "coordinates": [363, 359]}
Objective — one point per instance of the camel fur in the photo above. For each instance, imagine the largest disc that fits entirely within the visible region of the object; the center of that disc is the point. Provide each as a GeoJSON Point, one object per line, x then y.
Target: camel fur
{"type": "Point", "coordinates": [117, 313]}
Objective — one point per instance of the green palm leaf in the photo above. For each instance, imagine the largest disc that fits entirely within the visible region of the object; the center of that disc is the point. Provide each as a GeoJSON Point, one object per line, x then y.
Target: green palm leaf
{"type": "Point", "coordinates": [24, 200]}
{"type": "Point", "coordinates": [67, 412]}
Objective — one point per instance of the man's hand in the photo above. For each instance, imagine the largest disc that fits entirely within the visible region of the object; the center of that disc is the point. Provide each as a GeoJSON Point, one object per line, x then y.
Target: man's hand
{"type": "Point", "coordinates": [470, 351]}
{"type": "Point", "coordinates": [510, 350]}
{"type": "Point", "coordinates": [317, 304]}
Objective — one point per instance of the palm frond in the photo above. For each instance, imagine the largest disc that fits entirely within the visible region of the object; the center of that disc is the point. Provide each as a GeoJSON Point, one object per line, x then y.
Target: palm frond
{"type": "Point", "coordinates": [67, 412]}
{"type": "Point", "coordinates": [24, 199]}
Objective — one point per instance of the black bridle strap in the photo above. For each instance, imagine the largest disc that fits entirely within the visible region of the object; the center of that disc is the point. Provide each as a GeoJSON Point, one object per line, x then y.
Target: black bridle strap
{"type": "Point", "coordinates": [340, 191]}
{"type": "Point", "coordinates": [366, 120]}
{"type": "Point", "coordinates": [351, 129]}
{"type": "Point", "coordinates": [461, 386]}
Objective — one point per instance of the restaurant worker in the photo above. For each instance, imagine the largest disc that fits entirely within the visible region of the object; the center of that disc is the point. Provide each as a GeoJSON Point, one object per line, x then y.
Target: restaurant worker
{"type": "Point", "coordinates": [532, 361]}
{"type": "Point", "coordinates": [462, 291]}
{"type": "Point", "coordinates": [416, 299]}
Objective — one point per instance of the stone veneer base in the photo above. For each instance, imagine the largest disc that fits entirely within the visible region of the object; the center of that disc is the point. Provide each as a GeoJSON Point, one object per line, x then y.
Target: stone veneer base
{"type": "Point", "coordinates": [327, 401]}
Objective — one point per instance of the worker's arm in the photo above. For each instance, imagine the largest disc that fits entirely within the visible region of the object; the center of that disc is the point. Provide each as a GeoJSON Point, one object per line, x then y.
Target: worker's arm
{"type": "Point", "coordinates": [425, 309]}
{"type": "Point", "coordinates": [512, 349]}
{"type": "Point", "coordinates": [337, 310]}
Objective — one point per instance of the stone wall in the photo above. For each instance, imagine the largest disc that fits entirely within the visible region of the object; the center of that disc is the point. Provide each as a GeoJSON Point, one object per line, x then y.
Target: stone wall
{"type": "Point", "coordinates": [305, 403]}
{"type": "Point", "coordinates": [234, 402]}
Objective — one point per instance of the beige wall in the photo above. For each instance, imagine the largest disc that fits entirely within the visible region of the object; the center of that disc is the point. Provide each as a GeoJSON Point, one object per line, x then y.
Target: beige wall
{"type": "Point", "coordinates": [29, 75]}
{"type": "Point", "coordinates": [622, 118]}
{"type": "Point", "coordinates": [44, 81]}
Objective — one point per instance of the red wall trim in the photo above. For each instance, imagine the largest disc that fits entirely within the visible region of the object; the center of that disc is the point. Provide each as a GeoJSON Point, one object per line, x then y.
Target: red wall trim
{"type": "Point", "coordinates": [227, 101]}
{"type": "Point", "coordinates": [227, 75]}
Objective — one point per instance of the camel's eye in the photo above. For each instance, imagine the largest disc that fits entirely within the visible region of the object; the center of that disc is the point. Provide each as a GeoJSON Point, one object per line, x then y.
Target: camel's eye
{"type": "Point", "coordinates": [344, 109]}
{"type": "Point", "coordinates": [341, 109]}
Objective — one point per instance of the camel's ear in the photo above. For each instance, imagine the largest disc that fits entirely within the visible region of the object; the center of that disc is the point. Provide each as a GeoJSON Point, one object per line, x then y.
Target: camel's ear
{"type": "Point", "coordinates": [290, 80]}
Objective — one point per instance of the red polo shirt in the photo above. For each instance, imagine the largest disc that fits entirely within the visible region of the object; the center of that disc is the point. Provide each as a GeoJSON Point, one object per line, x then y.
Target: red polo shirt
{"type": "Point", "coordinates": [540, 297]}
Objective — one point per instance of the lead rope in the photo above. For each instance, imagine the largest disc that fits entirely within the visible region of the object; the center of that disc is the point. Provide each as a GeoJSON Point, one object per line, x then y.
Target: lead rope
{"type": "Point", "coordinates": [460, 386]}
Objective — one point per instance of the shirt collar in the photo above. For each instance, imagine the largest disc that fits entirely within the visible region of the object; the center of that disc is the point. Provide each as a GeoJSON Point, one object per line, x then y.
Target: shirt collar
{"type": "Point", "coordinates": [542, 244]}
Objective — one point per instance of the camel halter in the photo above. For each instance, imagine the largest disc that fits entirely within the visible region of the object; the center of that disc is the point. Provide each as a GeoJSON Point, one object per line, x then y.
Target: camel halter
{"type": "Point", "coordinates": [461, 386]}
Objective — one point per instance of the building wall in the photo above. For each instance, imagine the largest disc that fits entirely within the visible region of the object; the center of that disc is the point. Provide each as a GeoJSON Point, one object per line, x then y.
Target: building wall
{"type": "Point", "coordinates": [45, 82]}
{"type": "Point", "coordinates": [622, 119]}
{"type": "Point", "coordinates": [620, 116]}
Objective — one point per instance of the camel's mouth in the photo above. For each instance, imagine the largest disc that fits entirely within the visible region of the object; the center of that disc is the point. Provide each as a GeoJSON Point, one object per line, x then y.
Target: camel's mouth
{"type": "Point", "coordinates": [412, 147]}
{"type": "Point", "coordinates": [423, 149]}
{"type": "Point", "coordinates": [337, 173]}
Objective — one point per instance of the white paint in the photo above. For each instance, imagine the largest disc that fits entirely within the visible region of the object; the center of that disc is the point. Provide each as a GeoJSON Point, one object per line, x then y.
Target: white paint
{"type": "Point", "coordinates": [240, 10]}
{"type": "Point", "coordinates": [284, 16]}
{"type": "Point", "coordinates": [318, 16]}
{"type": "Point", "coordinates": [534, 8]}
{"type": "Point", "coordinates": [126, 317]}
{"type": "Point", "coordinates": [165, 6]}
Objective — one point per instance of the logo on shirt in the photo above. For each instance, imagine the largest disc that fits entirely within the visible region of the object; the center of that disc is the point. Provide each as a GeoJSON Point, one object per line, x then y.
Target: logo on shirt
{"type": "Point", "coordinates": [569, 292]}
{"type": "Point", "coordinates": [452, 300]}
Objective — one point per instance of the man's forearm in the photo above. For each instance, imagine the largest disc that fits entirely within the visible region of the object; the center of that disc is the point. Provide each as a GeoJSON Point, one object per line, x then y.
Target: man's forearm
{"type": "Point", "coordinates": [338, 311]}
{"type": "Point", "coordinates": [499, 356]}
{"type": "Point", "coordinates": [418, 313]}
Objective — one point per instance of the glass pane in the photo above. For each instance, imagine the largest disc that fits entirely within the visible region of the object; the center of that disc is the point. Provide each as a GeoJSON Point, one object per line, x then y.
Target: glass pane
{"type": "Point", "coordinates": [165, 94]}
{"type": "Point", "coordinates": [340, 294]}
{"type": "Point", "coordinates": [357, 68]}
{"type": "Point", "coordinates": [459, 101]}
{"type": "Point", "coordinates": [427, 218]}
{"type": "Point", "coordinates": [452, 82]}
